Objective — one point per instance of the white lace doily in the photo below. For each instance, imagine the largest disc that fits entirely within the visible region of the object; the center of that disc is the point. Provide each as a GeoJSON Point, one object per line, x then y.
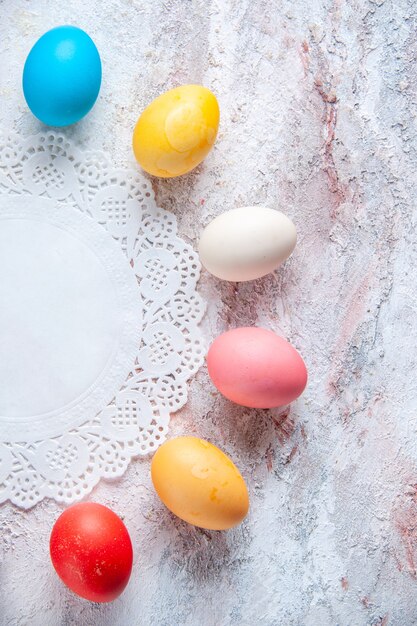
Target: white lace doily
{"type": "Point", "coordinates": [98, 319]}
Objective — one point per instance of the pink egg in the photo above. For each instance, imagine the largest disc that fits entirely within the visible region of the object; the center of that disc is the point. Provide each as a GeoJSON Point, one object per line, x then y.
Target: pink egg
{"type": "Point", "coordinates": [255, 367]}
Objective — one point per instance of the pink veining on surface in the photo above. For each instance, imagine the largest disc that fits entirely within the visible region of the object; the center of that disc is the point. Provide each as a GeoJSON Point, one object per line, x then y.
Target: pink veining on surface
{"type": "Point", "coordinates": [337, 188]}
{"type": "Point", "coordinates": [322, 82]}
{"type": "Point", "coordinates": [292, 453]}
{"type": "Point", "coordinates": [304, 56]}
{"type": "Point", "coordinates": [284, 425]}
{"type": "Point", "coordinates": [406, 523]}
{"type": "Point", "coordinates": [269, 457]}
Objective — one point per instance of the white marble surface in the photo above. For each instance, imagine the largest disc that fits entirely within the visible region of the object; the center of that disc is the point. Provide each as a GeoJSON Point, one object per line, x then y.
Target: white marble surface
{"type": "Point", "coordinates": [318, 103]}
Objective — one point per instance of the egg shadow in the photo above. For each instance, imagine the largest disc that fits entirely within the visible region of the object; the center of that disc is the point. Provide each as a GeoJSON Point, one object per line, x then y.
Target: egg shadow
{"type": "Point", "coordinates": [186, 196]}
{"type": "Point", "coordinates": [255, 431]}
{"type": "Point", "coordinates": [262, 302]}
{"type": "Point", "coordinates": [79, 132]}
{"type": "Point", "coordinates": [250, 436]}
{"type": "Point", "coordinates": [203, 554]}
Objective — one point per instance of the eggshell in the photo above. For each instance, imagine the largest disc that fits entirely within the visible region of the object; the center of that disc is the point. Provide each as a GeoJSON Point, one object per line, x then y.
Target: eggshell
{"type": "Point", "coordinates": [62, 76]}
{"type": "Point", "coordinates": [246, 243]}
{"type": "Point", "coordinates": [199, 483]}
{"type": "Point", "coordinates": [176, 131]}
{"type": "Point", "coordinates": [255, 367]}
{"type": "Point", "coordinates": [91, 551]}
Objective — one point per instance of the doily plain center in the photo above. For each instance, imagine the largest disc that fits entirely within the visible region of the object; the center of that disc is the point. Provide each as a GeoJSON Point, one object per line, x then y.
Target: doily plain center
{"type": "Point", "coordinates": [59, 321]}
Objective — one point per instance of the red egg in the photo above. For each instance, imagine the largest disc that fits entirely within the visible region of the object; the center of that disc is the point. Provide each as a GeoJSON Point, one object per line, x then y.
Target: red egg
{"type": "Point", "coordinates": [255, 367]}
{"type": "Point", "coordinates": [91, 551]}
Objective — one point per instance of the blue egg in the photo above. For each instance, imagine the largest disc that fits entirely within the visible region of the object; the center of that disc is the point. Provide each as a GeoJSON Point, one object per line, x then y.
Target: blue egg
{"type": "Point", "coordinates": [62, 76]}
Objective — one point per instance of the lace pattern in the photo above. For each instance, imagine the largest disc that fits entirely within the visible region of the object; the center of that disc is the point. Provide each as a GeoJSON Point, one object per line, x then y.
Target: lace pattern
{"type": "Point", "coordinates": [157, 291]}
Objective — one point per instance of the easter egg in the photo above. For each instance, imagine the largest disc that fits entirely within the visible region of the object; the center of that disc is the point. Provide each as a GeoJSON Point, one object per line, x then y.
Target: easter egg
{"type": "Point", "coordinates": [62, 76]}
{"type": "Point", "coordinates": [255, 367]}
{"type": "Point", "coordinates": [176, 131]}
{"type": "Point", "coordinates": [246, 243]}
{"type": "Point", "coordinates": [199, 483]}
{"type": "Point", "coordinates": [91, 551]}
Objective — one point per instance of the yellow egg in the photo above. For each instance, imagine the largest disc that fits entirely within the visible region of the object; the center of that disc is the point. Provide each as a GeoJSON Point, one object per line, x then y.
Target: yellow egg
{"type": "Point", "coordinates": [199, 483]}
{"type": "Point", "coordinates": [176, 131]}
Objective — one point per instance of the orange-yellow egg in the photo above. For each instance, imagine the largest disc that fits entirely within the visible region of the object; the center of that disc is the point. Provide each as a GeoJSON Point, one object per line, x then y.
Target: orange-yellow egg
{"type": "Point", "coordinates": [199, 483]}
{"type": "Point", "coordinates": [176, 131]}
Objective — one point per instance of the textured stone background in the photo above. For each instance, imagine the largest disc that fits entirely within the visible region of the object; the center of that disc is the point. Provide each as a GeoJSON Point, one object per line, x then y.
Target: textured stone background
{"type": "Point", "coordinates": [318, 104]}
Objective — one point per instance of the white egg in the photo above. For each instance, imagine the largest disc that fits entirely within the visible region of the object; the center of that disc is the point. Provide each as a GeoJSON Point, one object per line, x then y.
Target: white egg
{"type": "Point", "coordinates": [247, 243]}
